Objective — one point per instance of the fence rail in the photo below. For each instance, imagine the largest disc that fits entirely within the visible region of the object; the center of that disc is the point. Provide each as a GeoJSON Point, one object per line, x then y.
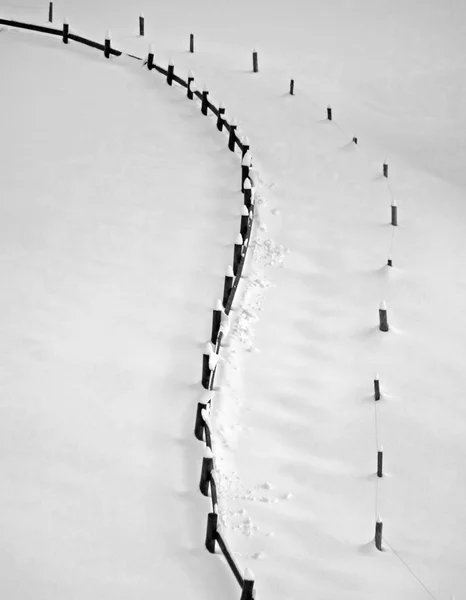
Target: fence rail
{"type": "Point", "coordinates": [202, 427]}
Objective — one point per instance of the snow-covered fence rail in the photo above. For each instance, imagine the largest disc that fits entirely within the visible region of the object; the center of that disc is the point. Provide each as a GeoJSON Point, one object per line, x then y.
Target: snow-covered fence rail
{"type": "Point", "coordinates": [202, 429]}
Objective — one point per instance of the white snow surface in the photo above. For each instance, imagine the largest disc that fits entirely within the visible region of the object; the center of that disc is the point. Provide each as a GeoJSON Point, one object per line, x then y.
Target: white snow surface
{"type": "Point", "coordinates": [296, 425]}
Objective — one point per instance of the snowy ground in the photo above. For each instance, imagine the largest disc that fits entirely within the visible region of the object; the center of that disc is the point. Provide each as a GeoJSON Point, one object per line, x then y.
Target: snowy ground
{"type": "Point", "coordinates": [296, 424]}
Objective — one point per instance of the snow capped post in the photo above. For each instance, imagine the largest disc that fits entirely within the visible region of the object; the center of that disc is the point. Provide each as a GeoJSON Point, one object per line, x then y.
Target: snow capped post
{"type": "Point", "coordinates": [150, 58]}
{"type": "Point", "coordinates": [244, 222]}
{"type": "Point", "coordinates": [107, 44]}
{"type": "Point", "coordinates": [389, 261]}
{"type": "Point", "coordinates": [190, 85]}
{"type": "Point", "coordinates": [221, 113]}
{"type": "Point", "coordinates": [141, 24]}
{"type": "Point", "coordinates": [66, 30]}
{"type": "Point", "coordinates": [228, 285]}
{"type": "Point", "coordinates": [205, 101]}
{"type": "Point", "coordinates": [394, 213]}
{"type": "Point", "coordinates": [207, 468]}
{"type": "Point", "coordinates": [232, 136]}
{"type": "Point", "coordinates": [246, 145]}
{"type": "Point", "coordinates": [383, 318]}
{"type": "Point", "coordinates": [378, 533]}
{"type": "Point", "coordinates": [205, 366]}
{"type": "Point", "coordinates": [191, 43]}
{"type": "Point", "coordinates": [216, 321]}
{"type": "Point", "coordinates": [50, 12]}
{"type": "Point", "coordinates": [255, 62]}
{"type": "Point", "coordinates": [292, 87]}
{"type": "Point", "coordinates": [170, 72]}
{"type": "Point", "coordinates": [376, 387]}
{"type": "Point", "coordinates": [380, 462]}
{"type": "Point", "coordinates": [355, 140]}
{"type": "Point", "coordinates": [245, 165]}
{"type": "Point", "coordinates": [248, 585]}
{"type": "Point", "coordinates": [385, 169]}
{"type": "Point", "coordinates": [247, 193]}
{"type": "Point", "coordinates": [211, 534]}
{"type": "Point", "coordinates": [329, 112]}
{"type": "Point", "coordinates": [237, 253]}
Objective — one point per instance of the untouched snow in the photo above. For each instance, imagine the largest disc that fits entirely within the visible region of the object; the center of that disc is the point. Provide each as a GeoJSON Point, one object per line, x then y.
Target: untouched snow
{"type": "Point", "coordinates": [297, 426]}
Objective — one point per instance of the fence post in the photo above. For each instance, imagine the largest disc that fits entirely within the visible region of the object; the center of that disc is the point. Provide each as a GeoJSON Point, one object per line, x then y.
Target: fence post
{"type": "Point", "coordinates": [228, 285]}
{"type": "Point", "coordinates": [244, 222]}
{"type": "Point", "coordinates": [199, 423]}
{"type": "Point", "coordinates": [107, 44]}
{"type": "Point", "coordinates": [191, 42]}
{"type": "Point", "coordinates": [383, 319]}
{"type": "Point", "coordinates": [378, 533]}
{"type": "Point", "coordinates": [238, 250]}
{"type": "Point", "coordinates": [205, 100]}
{"type": "Point", "coordinates": [207, 468]}
{"type": "Point", "coordinates": [141, 24]}
{"type": "Point", "coordinates": [329, 113]}
{"type": "Point", "coordinates": [50, 12]}
{"type": "Point", "coordinates": [221, 113]}
{"type": "Point", "coordinates": [245, 164]}
{"type": "Point", "coordinates": [150, 58]}
{"type": "Point", "coordinates": [380, 462]}
{"type": "Point", "coordinates": [246, 145]}
{"type": "Point", "coordinates": [211, 534]}
{"type": "Point", "coordinates": [355, 140]}
{"type": "Point", "coordinates": [292, 87]}
{"type": "Point", "coordinates": [394, 213]}
{"type": "Point", "coordinates": [255, 62]}
{"type": "Point", "coordinates": [248, 193]}
{"type": "Point", "coordinates": [216, 321]}
{"type": "Point", "coordinates": [389, 261]}
{"type": "Point", "coordinates": [376, 387]}
{"type": "Point", "coordinates": [385, 169]}
{"type": "Point", "coordinates": [248, 585]}
{"type": "Point", "coordinates": [66, 30]}
{"type": "Point", "coordinates": [190, 85]}
{"type": "Point", "coordinates": [206, 367]}
{"type": "Point", "coordinates": [232, 136]}
{"type": "Point", "coordinates": [170, 72]}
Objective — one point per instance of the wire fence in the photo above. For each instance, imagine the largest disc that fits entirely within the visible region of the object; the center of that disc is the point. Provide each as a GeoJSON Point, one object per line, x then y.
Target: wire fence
{"type": "Point", "coordinates": [203, 430]}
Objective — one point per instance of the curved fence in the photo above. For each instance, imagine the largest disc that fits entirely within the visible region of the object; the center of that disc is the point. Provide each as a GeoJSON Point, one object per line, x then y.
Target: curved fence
{"type": "Point", "coordinates": [220, 320]}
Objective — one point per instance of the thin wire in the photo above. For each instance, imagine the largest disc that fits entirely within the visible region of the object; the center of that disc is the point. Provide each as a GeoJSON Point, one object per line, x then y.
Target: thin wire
{"type": "Point", "coordinates": [409, 569]}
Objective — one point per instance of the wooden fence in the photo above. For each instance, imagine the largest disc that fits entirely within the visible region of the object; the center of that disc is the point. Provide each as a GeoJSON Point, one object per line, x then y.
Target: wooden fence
{"type": "Point", "coordinates": [203, 429]}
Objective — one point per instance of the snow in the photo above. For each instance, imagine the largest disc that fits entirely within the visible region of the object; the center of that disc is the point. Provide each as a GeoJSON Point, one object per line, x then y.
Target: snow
{"type": "Point", "coordinates": [295, 404]}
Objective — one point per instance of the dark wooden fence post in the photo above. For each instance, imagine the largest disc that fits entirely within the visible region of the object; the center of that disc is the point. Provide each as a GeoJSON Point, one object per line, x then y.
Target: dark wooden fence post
{"type": "Point", "coordinates": [355, 140]}
{"type": "Point", "coordinates": [228, 285]}
{"type": "Point", "coordinates": [66, 31]}
{"type": "Point", "coordinates": [205, 101]}
{"type": "Point", "coordinates": [141, 25]}
{"type": "Point", "coordinates": [190, 85]}
{"type": "Point", "coordinates": [191, 42]}
{"type": "Point", "coordinates": [245, 165]}
{"type": "Point", "coordinates": [199, 423]}
{"type": "Point", "coordinates": [150, 58]}
{"type": "Point", "coordinates": [211, 534]}
{"type": "Point", "coordinates": [248, 585]}
{"type": "Point", "coordinates": [206, 367]}
{"type": "Point", "coordinates": [389, 261]}
{"type": "Point", "coordinates": [255, 61]}
{"type": "Point", "coordinates": [170, 72]}
{"type": "Point", "coordinates": [380, 462]}
{"type": "Point", "coordinates": [232, 136]}
{"type": "Point", "coordinates": [378, 533]}
{"type": "Point", "coordinates": [376, 387]}
{"type": "Point", "coordinates": [329, 113]}
{"type": "Point", "coordinates": [50, 12]}
{"type": "Point", "coordinates": [216, 321]}
{"type": "Point", "coordinates": [292, 87]}
{"type": "Point", "coordinates": [383, 318]}
{"type": "Point", "coordinates": [237, 253]}
{"type": "Point", "coordinates": [394, 213]}
{"type": "Point", "coordinates": [248, 193]}
{"type": "Point", "coordinates": [244, 222]}
{"type": "Point", "coordinates": [221, 113]}
{"type": "Point", "coordinates": [385, 169]}
{"type": "Point", "coordinates": [207, 468]}
{"type": "Point", "coordinates": [246, 145]}
{"type": "Point", "coordinates": [107, 44]}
